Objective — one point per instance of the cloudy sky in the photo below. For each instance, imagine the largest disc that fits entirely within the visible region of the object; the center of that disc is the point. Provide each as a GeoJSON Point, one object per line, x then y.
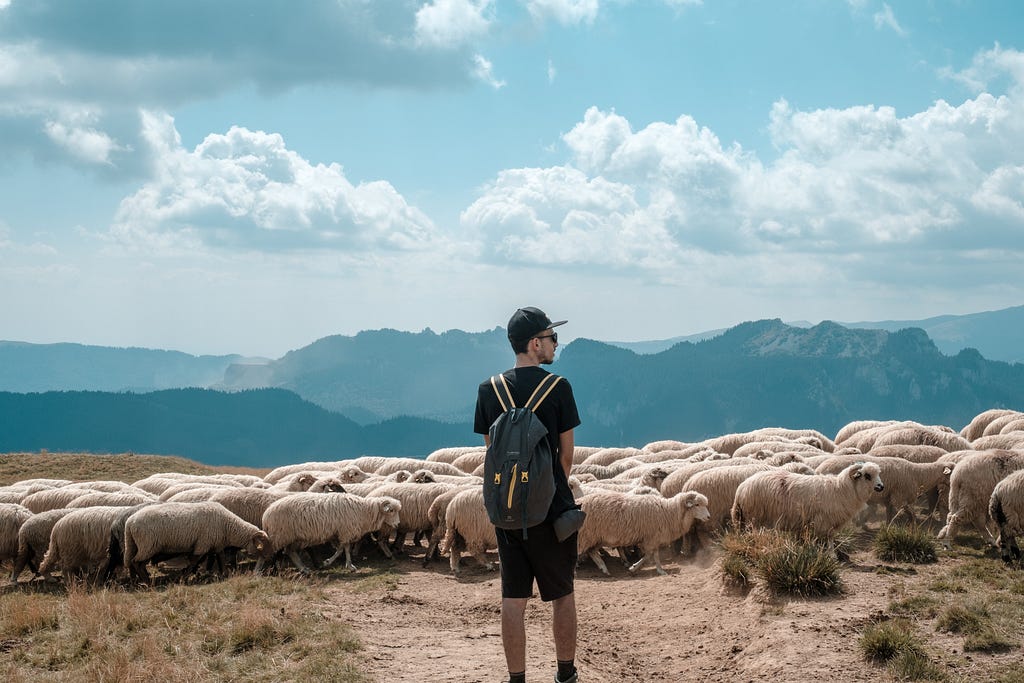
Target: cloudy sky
{"type": "Point", "coordinates": [246, 177]}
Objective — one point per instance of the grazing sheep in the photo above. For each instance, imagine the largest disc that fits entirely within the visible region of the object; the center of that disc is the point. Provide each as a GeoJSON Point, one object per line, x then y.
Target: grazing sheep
{"type": "Point", "coordinates": [468, 528]}
{"type": "Point", "coordinates": [996, 425]}
{"type": "Point", "coordinates": [677, 479]}
{"type": "Point", "coordinates": [33, 540]}
{"type": "Point", "coordinates": [921, 436]}
{"type": "Point", "coordinates": [428, 477]}
{"type": "Point", "coordinates": [977, 426]}
{"type": "Point", "coordinates": [905, 481]}
{"type": "Point", "coordinates": [191, 486]}
{"type": "Point", "coordinates": [607, 456]}
{"type": "Point", "coordinates": [607, 471]}
{"type": "Point", "coordinates": [12, 517]}
{"type": "Point", "coordinates": [909, 452]}
{"type": "Point", "coordinates": [719, 486]}
{"type": "Point", "coordinates": [449, 454]}
{"type": "Point", "coordinates": [665, 445]}
{"type": "Point", "coordinates": [327, 485]}
{"type": "Point", "coordinates": [850, 429]}
{"type": "Point", "coordinates": [1011, 441]}
{"type": "Point", "coordinates": [86, 541]}
{"type": "Point", "coordinates": [616, 520]}
{"type": "Point", "coordinates": [413, 464]}
{"type": "Point", "coordinates": [1013, 426]}
{"type": "Point", "coordinates": [304, 520]}
{"type": "Point", "coordinates": [762, 449]}
{"type": "Point", "coordinates": [52, 499]}
{"type": "Point", "coordinates": [300, 481]}
{"type": "Point", "coordinates": [820, 504]}
{"type": "Point", "coordinates": [102, 498]}
{"type": "Point", "coordinates": [16, 494]}
{"type": "Point", "coordinates": [437, 515]}
{"type": "Point", "coordinates": [415, 500]}
{"type": "Point", "coordinates": [249, 503]}
{"type": "Point", "coordinates": [1006, 508]}
{"type": "Point", "coordinates": [52, 483]}
{"type": "Point", "coordinates": [469, 462]}
{"type": "Point", "coordinates": [106, 486]}
{"type": "Point", "coordinates": [970, 488]}
{"type": "Point", "coordinates": [278, 473]}
{"type": "Point", "coordinates": [158, 483]}
{"type": "Point", "coordinates": [190, 529]}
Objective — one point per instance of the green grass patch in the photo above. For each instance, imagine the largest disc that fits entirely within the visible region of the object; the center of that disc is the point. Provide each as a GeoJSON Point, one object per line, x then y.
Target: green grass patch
{"type": "Point", "coordinates": [915, 606]}
{"type": "Point", "coordinates": [883, 641]}
{"type": "Point", "coordinates": [900, 543]}
{"type": "Point", "coordinates": [785, 565]}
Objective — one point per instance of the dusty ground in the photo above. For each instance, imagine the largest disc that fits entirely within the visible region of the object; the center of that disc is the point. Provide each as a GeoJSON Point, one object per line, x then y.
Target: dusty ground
{"type": "Point", "coordinates": [425, 625]}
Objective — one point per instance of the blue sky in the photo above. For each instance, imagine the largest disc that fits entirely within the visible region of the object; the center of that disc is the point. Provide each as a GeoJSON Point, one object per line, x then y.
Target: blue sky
{"type": "Point", "coordinates": [222, 177]}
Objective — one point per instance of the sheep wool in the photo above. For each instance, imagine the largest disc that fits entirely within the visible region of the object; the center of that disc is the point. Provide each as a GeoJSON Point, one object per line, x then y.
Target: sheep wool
{"type": "Point", "coordinates": [970, 488]}
{"type": "Point", "coordinates": [1006, 508]}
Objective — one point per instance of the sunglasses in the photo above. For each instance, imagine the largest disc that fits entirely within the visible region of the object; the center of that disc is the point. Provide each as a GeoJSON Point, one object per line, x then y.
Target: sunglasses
{"type": "Point", "coordinates": [553, 337]}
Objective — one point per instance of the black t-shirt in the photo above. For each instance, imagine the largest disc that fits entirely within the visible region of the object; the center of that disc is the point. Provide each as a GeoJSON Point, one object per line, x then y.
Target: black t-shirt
{"type": "Point", "coordinates": [558, 413]}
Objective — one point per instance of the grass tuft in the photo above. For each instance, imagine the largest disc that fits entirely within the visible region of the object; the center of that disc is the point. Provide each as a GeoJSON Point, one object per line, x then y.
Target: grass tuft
{"type": "Point", "coordinates": [884, 641]}
{"type": "Point", "coordinates": [899, 543]}
{"type": "Point", "coordinates": [786, 566]}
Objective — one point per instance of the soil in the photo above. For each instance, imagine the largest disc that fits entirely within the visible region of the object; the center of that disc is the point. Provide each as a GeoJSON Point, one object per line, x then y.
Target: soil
{"type": "Point", "coordinates": [426, 625]}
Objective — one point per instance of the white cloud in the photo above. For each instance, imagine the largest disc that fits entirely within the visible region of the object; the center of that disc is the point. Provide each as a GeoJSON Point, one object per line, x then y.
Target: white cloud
{"type": "Point", "coordinates": [75, 132]}
{"type": "Point", "coordinates": [567, 12]}
{"type": "Point", "coordinates": [446, 23]}
{"type": "Point", "coordinates": [847, 185]}
{"type": "Point", "coordinates": [552, 72]}
{"type": "Point", "coordinates": [885, 18]}
{"type": "Point", "coordinates": [484, 71]}
{"type": "Point", "coordinates": [246, 190]}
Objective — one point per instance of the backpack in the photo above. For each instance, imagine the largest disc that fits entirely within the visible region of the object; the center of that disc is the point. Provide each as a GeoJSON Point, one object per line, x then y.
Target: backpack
{"type": "Point", "coordinates": [519, 482]}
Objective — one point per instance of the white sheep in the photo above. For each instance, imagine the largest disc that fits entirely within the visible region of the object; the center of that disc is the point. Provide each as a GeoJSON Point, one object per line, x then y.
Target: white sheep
{"type": "Point", "coordinates": [12, 516]}
{"type": "Point", "coordinates": [618, 520]}
{"type": "Point", "coordinates": [852, 428]}
{"type": "Point", "coordinates": [970, 488]}
{"type": "Point", "coordinates": [468, 528]}
{"type": "Point", "coordinates": [449, 454]}
{"type": "Point", "coordinates": [304, 520]}
{"type": "Point", "coordinates": [469, 462]}
{"type": "Point", "coordinates": [607, 456]}
{"type": "Point", "coordinates": [191, 486]}
{"type": "Point", "coordinates": [415, 500]}
{"type": "Point", "coordinates": [121, 499]}
{"type": "Point", "coordinates": [1006, 509]}
{"type": "Point", "coordinates": [719, 486]}
{"type": "Point", "coordinates": [905, 481]}
{"type": "Point", "coordinates": [996, 425]}
{"type": "Point", "coordinates": [437, 515]}
{"type": "Point", "coordinates": [194, 530]}
{"type": "Point", "coordinates": [976, 427]}
{"type": "Point", "coordinates": [33, 540]}
{"type": "Point", "coordinates": [921, 436]}
{"type": "Point", "coordinates": [819, 504]}
{"type": "Point", "coordinates": [677, 479]}
{"type": "Point", "coordinates": [82, 541]}
{"type": "Point", "coordinates": [664, 445]}
{"type": "Point", "coordinates": [913, 453]}
{"type": "Point", "coordinates": [1013, 426]}
{"type": "Point", "coordinates": [411, 464]}
{"type": "Point", "coordinates": [52, 499]}
{"type": "Point", "coordinates": [279, 473]}
{"type": "Point", "coordinates": [1011, 441]}
{"type": "Point", "coordinates": [249, 503]}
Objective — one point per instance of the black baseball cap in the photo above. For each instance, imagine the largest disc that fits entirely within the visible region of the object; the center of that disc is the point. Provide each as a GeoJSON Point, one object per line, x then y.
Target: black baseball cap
{"type": "Point", "coordinates": [529, 322]}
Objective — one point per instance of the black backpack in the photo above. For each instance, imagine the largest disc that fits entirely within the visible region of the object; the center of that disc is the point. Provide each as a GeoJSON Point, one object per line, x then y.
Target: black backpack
{"type": "Point", "coordinates": [519, 482]}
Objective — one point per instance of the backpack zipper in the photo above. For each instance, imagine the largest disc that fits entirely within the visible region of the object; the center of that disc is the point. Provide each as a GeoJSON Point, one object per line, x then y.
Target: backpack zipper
{"type": "Point", "coordinates": [512, 485]}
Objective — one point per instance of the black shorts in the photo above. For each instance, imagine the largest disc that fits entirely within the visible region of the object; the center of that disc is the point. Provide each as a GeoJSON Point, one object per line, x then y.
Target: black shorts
{"type": "Point", "coordinates": [539, 556]}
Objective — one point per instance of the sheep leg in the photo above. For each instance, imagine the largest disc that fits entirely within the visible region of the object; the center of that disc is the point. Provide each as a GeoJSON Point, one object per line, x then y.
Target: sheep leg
{"type": "Point", "coordinates": [481, 557]}
{"type": "Point", "coordinates": [454, 555]}
{"type": "Point", "coordinates": [340, 549]}
{"type": "Point", "coordinates": [297, 561]}
{"type": "Point", "coordinates": [348, 558]}
{"type": "Point", "coordinates": [399, 543]}
{"type": "Point", "coordinates": [595, 555]}
{"type": "Point", "coordinates": [382, 543]}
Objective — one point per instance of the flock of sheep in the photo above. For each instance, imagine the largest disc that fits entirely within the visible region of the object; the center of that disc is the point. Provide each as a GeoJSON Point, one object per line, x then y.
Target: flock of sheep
{"type": "Point", "coordinates": [637, 500]}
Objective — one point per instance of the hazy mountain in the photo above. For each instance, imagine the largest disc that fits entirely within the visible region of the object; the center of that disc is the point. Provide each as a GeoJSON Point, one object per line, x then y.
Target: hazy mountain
{"type": "Point", "coordinates": [45, 367]}
{"type": "Point", "coordinates": [381, 374]}
{"type": "Point", "coordinates": [256, 428]}
{"type": "Point", "coordinates": [997, 335]}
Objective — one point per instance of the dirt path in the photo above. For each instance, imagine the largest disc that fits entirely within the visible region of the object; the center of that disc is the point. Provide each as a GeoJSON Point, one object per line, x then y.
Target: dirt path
{"type": "Point", "coordinates": [425, 625]}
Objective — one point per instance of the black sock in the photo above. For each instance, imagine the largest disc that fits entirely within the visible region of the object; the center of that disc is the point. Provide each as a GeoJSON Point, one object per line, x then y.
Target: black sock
{"type": "Point", "coordinates": [566, 669]}
{"type": "Point", "coordinates": [517, 677]}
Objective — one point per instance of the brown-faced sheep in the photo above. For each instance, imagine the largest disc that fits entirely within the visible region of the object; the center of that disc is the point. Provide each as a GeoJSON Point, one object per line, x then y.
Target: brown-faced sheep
{"type": "Point", "coordinates": [1006, 508]}
{"type": "Point", "coordinates": [970, 488]}
{"type": "Point", "coordinates": [304, 520]}
{"type": "Point", "coordinates": [193, 530]}
{"type": "Point", "coordinates": [820, 504]}
{"type": "Point", "coordinates": [616, 520]}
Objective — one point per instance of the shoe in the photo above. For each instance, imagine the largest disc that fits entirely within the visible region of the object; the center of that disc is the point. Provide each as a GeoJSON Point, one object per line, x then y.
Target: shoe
{"type": "Point", "coordinates": [571, 679]}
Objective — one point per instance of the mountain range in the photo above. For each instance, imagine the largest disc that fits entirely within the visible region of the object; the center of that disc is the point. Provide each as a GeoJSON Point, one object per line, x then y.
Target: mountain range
{"type": "Point", "coordinates": [415, 391]}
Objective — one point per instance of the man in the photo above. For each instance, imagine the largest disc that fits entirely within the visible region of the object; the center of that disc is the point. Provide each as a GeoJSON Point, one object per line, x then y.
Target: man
{"type": "Point", "coordinates": [537, 555]}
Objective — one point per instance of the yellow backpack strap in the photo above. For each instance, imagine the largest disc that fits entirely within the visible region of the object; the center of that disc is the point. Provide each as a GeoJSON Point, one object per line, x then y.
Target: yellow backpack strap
{"type": "Point", "coordinates": [543, 389]}
{"type": "Point", "coordinates": [505, 405]}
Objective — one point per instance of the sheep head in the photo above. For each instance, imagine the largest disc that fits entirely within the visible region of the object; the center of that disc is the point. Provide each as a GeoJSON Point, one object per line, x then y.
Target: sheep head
{"type": "Point", "coordinates": [352, 475]}
{"type": "Point", "coordinates": [389, 508]}
{"type": "Point", "coordinates": [870, 472]}
{"type": "Point", "coordinates": [327, 485]}
{"type": "Point", "coordinates": [423, 477]}
{"type": "Point", "coordinates": [696, 504]}
{"type": "Point", "coordinates": [260, 546]}
{"type": "Point", "coordinates": [305, 480]}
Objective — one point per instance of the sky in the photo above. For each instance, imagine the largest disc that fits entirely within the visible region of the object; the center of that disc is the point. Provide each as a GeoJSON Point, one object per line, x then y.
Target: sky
{"type": "Point", "coordinates": [247, 177]}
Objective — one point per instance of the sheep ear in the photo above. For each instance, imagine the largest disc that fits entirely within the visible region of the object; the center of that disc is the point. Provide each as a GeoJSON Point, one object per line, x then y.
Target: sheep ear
{"type": "Point", "coordinates": [857, 474]}
{"type": "Point", "coordinates": [259, 545]}
{"type": "Point", "coordinates": [947, 470]}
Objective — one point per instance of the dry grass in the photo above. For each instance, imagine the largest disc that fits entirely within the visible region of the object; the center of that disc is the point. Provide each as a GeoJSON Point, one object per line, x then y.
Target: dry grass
{"type": "Point", "coordinates": [126, 467]}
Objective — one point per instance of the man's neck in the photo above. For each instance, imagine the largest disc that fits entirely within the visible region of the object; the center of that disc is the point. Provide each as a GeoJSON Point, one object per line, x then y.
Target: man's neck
{"type": "Point", "coordinates": [525, 360]}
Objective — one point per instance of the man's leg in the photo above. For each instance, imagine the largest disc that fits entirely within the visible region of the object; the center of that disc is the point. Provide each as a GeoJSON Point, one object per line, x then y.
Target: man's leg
{"type": "Point", "coordinates": [563, 623]}
{"type": "Point", "coordinates": [513, 632]}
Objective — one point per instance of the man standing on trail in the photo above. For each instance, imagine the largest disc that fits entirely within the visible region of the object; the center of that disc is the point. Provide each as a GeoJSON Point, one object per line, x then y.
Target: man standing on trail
{"type": "Point", "coordinates": [535, 553]}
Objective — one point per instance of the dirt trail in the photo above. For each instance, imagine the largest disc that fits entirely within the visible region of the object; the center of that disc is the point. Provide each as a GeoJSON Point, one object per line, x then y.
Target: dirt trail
{"type": "Point", "coordinates": [425, 625]}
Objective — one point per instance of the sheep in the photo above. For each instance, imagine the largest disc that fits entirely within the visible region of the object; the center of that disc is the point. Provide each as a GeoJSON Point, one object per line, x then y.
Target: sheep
{"type": "Point", "coordinates": [327, 485]}
{"type": "Point", "coordinates": [158, 483]}
{"type": "Point", "coordinates": [449, 454]}
{"type": "Point", "coordinates": [648, 521]}
{"type": "Point", "coordinates": [107, 486]}
{"type": "Point", "coordinates": [468, 528]}
{"type": "Point", "coordinates": [437, 515]}
{"type": "Point", "coordinates": [730, 442]}
{"type": "Point", "coordinates": [428, 477]}
{"type": "Point", "coordinates": [606, 471]}
{"type": "Point", "coordinates": [102, 498]}
{"type": "Point", "coordinates": [1013, 426]}
{"type": "Point", "coordinates": [248, 503]}
{"type": "Point", "coordinates": [190, 486]}
{"type": "Point", "coordinates": [664, 445]}
{"type": "Point", "coordinates": [606, 456]}
{"type": "Point", "coordinates": [756, 449]}
{"type": "Point", "coordinates": [976, 427]}
{"type": "Point", "coordinates": [852, 428]}
{"type": "Point", "coordinates": [719, 486]}
{"type": "Point", "coordinates": [913, 453]}
{"type": "Point", "coordinates": [970, 488]}
{"type": "Point", "coordinates": [905, 481]}
{"type": "Point", "coordinates": [1011, 441]}
{"type": "Point", "coordinates": [86, 541]}
{"type": "Point", "coordinates": [12, 517]}
{"type": "Point", "coordinates": [412, 464]}
{"type": "Point", "coordinates": [190, 529]}
{"type": "Point", "coordinates": [278, 473]}
{"type": "Point", "coordinates": [670, 455]}
{"type": "Point", "coordinates": [470, 461]}
{"type": "Point", "coordinates": [33, 540]}
{"type": "Point", "coordinates": [52, 483]}
{"type": "Point", "coordinates": [820, 504]}
{"type": "Point", "coordinates": [1006, 509]}
{"type": "Point", "coordinates": [996, 425]}
{"type": "Point", "coordinates": [921, 436]}
{"type": "Point", "coordinates": [415, 500]}
{"type": "Point", "coordinates": [303, 520]}
{"type": "Point", "coordinates": [300, 481]}
{"type": "Point", "coordinates": [675, 481]}
{"type": "Point", "coordinates": [52, 499]}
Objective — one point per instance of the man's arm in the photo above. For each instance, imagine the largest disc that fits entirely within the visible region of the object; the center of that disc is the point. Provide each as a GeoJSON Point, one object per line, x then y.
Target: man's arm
{"type": "Point", "coordinates": [566, 446]}
{"type": "Point", "coordinates": [487, 440]}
